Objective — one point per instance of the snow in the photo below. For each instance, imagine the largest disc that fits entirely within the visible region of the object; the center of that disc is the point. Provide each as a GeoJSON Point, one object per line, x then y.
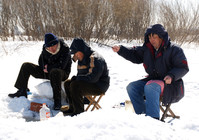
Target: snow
{"type": "Point", "coordinates": [19, 123]}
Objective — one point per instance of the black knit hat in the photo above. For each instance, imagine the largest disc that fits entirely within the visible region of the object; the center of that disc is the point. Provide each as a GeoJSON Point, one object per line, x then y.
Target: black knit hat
{"type": "Point", "coordinates": [50, 40]}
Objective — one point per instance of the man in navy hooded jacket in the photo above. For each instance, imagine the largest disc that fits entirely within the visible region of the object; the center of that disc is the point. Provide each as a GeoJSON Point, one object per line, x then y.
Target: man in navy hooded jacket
{"type": "Point", "coordinates": [165, 64]}
{"type": "Point", "coordinates": [92, 76]}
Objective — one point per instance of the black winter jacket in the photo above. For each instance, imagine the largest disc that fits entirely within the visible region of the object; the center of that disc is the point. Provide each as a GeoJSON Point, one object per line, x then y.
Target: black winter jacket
{"type": "Point", "coordinates": [168, 60]}
{"type": "Point", "coordinates": [60, 60]}
{"type": "Point", "coordinates": [93, 68]}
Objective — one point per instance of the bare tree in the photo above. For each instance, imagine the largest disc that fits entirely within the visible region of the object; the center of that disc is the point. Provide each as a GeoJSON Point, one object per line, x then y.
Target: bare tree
{"type": "Point", "coordinates": [181, 23]}
{"type": "Point", "coordinates": [98, 19]}
{"type": "Point", "coordinates": [131, 18]}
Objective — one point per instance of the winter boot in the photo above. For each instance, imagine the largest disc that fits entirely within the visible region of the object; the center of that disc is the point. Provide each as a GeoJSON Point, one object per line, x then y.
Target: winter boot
{"type": "Point", "coordinates": [69, 112]}
{"type": "Point", "coordinates": [57, 105]}
{"type": "Point", "coordinates": [20, 92]}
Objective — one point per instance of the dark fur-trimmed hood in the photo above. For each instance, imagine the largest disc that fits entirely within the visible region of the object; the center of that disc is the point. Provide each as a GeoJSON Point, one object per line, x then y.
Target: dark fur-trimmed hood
{"type": "Point", "coordinates": [160, 31]}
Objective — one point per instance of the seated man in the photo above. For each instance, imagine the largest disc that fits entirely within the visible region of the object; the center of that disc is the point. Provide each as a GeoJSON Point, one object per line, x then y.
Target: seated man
{"type": "Point", "coordinates": [165, 63]}
{"type": "Point", "coordinates": [54, 64]}
{"type": "Point", "coordinates": [92, 76]}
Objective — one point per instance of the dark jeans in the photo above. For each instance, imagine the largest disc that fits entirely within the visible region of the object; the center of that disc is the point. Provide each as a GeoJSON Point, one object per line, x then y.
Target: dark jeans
{"type": "Point", "coordinates": [56, 76]}
{"type": "Point", "coordinates": [75, 90]}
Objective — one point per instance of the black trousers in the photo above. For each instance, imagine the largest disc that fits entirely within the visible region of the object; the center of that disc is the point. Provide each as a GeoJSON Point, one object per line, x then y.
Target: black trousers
{"type": "Point", "coordinates": [56, 76]}
{"type": "Point", "coordinates": [75, 90]}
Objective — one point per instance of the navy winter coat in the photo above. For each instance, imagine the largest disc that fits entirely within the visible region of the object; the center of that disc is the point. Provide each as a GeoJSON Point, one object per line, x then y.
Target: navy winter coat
{"type": "Point", "coordinates": [61, 60]}
{"type": "Point", "coordinates": [93, 68]}
{"type": "Point", "coordinates": [168, 60]}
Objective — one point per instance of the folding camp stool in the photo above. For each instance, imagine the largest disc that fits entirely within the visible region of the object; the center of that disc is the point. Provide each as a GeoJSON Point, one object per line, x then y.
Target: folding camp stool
{"type": "Point", "coordinates": [94, 100]}
{"type": "Point", "coordinates": [165, 110]}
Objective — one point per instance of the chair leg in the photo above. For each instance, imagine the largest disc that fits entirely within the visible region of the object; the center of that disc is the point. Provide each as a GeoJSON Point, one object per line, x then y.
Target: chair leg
{"type": "Point", "coordinates": [165, 112]}
{"type": "Point", "coordinates": [90, 98]}
{"type": "Point", "coordinates": [164, 115]}
{"type": "Point", "coordinates": [95, 104]}
{"type": "Point", "coordinates": [172, 114]}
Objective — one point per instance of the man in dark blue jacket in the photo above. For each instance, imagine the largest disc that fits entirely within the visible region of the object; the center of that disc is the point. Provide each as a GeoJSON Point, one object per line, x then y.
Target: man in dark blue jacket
{"type": "Point", "coordinates": [165, 64]}
{"type": "Point", "coordinates": [92, 76]}
{"type": "Point", "coordinates": [54, 64]}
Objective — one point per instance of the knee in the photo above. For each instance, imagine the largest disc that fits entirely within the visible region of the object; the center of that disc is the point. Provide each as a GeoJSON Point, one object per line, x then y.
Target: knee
{"type": "Point", "coordinates": [67, 84]}
{"type": "Point", "coordinates": [148, 89]}
{"type": "Point", "coordinates": [26, 65]}
{"type": "Point", "coordinates": [152, 88]}
{"type": "Point", "coordinates": [75, 87]}
{"type": "Point", "coordinates": [74, 84]}
{"type": "Point", "coordinates": [130, 88]}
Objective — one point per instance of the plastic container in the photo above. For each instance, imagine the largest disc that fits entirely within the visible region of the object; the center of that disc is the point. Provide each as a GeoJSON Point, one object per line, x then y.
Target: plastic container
{"type": "Point", "coordinates": [44, 112]}
{"type": "Point", "coordinates": [129, 106]}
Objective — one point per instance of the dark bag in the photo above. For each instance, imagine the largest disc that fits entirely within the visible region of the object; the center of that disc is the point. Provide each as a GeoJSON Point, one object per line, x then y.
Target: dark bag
{"type": "Point", "coordinates": [173, 92]}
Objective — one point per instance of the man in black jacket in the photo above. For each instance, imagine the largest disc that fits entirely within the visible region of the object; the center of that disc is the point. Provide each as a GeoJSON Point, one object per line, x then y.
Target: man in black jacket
{"type": "Point", "coordinates": [165, 64]}
{"type": "Point", "coordinates": [54, 64]}
{"type": "Point", "coordinates": [92, 76]}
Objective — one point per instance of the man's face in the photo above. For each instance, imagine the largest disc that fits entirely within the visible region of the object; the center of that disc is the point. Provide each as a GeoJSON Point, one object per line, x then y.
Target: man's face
{"type": "Point", "coordinates": [155, 40]}
{"type": "Point", "coordinates": [52, 48]}
{"type": "Point", "coordinates": [78, 56]}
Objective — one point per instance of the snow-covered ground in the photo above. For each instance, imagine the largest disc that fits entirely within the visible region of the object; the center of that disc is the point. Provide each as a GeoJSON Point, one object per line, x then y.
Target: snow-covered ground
{"type": "Point", "coordinates": [17, 122]}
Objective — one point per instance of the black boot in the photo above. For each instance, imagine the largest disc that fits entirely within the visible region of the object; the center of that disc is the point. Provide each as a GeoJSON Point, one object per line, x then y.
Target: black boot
{"type": "Point", "coordinates": [19, 93]}
{"type": "Point", "coordinates": [69, 112]}
{"type": "Point", "coordinates": [57, 105]}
